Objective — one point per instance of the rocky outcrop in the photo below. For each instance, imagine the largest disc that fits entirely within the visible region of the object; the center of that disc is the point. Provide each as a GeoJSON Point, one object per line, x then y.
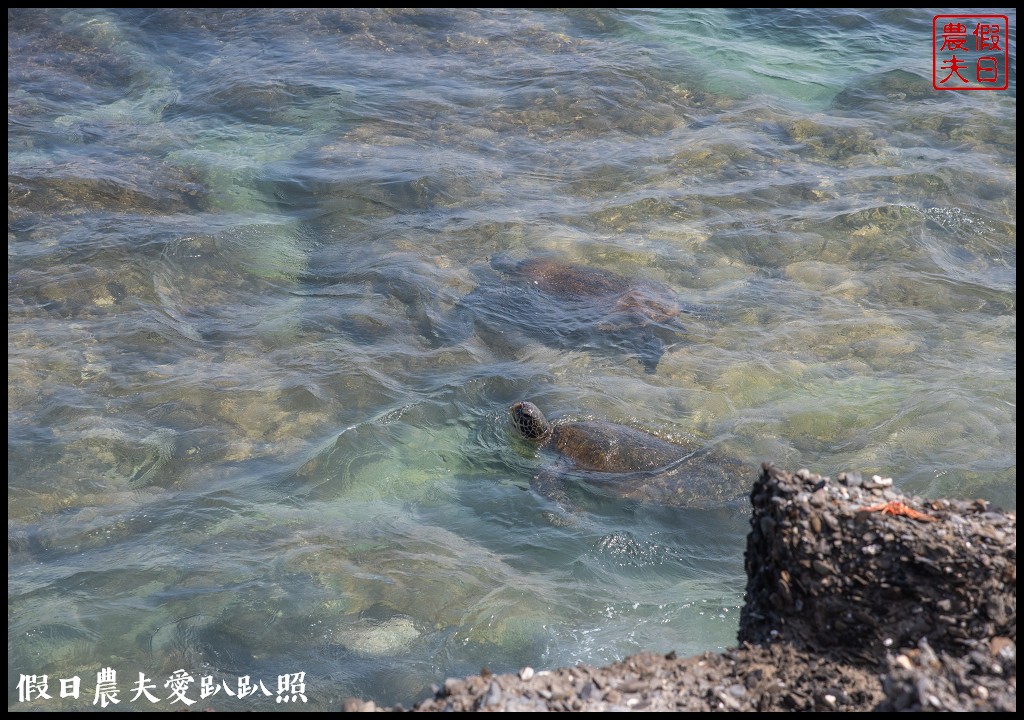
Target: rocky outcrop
{"type": "Point", "coordinates": [858, 599]}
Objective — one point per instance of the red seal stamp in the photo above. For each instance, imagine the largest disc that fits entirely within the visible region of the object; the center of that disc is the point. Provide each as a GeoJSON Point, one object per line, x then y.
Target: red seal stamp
{"type": "Point", "coordinates": [970, 52]}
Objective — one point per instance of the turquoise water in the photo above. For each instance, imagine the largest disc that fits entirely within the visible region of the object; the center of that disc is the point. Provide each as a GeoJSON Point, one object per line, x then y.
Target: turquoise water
{"type": "Point", "coordinates": [238, 448]}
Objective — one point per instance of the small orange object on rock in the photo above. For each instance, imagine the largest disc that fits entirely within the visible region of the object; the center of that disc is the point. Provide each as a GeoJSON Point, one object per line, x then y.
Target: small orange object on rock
{"type": "Point", "coordinates": [895, 507]}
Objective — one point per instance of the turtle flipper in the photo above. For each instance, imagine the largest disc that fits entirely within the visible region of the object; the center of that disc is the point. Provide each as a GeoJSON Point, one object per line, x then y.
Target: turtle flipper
{"type": "Point", "coordinates": [648, 349]}
{"type": "Point", "coordinates": [551, 484]}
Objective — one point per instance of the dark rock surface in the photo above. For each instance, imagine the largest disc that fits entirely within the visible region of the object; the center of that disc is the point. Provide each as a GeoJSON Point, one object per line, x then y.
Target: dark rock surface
{"type": "Point", "coordinates": [853, 602]}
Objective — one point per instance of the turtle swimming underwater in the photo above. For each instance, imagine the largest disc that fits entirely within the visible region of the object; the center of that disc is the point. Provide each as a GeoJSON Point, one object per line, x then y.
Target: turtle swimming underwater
{"type": "Point", "coordinates": [571, 306]}
{"type": "Point", "coordinates": [627, 463]}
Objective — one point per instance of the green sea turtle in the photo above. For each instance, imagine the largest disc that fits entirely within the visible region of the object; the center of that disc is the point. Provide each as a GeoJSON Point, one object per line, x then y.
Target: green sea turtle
{"type": "Point", "coordinates": [627, 463]}
{"type": "Point", "coordinates": [571, 306]}
{"type": "Point", "coordinates": [630, 302]}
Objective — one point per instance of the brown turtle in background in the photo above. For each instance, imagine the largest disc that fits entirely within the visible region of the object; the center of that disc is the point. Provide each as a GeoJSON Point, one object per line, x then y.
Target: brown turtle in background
{"type": "Point", "coordinates": [572, 306]}
{"type": "Point", "coordinates": [628, 463]}
{"type": "Point", "coordinates": [625, 301]}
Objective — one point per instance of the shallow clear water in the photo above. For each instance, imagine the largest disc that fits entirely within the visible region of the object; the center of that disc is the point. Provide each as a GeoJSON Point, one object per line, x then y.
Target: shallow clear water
{"type": "Point", "coordinates": [241, 441]}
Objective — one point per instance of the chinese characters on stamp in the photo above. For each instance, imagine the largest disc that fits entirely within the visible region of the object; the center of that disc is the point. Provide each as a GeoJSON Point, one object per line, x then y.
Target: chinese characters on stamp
{"type": "Point", "coordinates": [970, 52]}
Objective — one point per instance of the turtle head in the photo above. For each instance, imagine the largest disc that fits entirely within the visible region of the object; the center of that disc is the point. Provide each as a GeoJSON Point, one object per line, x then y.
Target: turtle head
{"type": "Point", "coordinates": [530, 421]}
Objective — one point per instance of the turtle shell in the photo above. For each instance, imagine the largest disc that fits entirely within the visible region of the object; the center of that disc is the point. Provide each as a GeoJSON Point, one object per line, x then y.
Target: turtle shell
{"type": "Point", "coordinates": [570, 306]}
{"type": "Point", "coordinates": [627, 463]}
